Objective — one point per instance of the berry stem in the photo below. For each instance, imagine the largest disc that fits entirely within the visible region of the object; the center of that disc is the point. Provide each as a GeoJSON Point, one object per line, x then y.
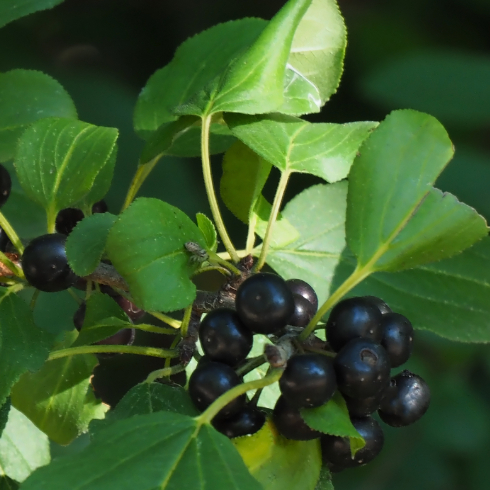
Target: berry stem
{"type": "Point", "coordinates": [14, 238]}
{"type": "Point", "coordinates": [225, 398]}
{"type": "Point", "coordinates": [217, 268]}
{"type": "Point", "coordinates": [251, 234]}
{"type": "Point", "coordinates": [32, 304]}
{"type": "Point", "coordinates": [250, 365]}
{"type": "Point", "coordinates": [276, 205]}
{"type": "Point", "coordinates": [75, 296]}
{"type": "Point", "coordinates": [107, 349]}
{"type": "Point", "coordinates": [140, 176]}
{"type": "Point", "coordinates": [166, 319]}
{"type": "Point", "coordinates": [153, 329]}
{"type": "Point", "coordinates": [185, 321]}
{"type": "Point", "coordinates": [213, 257]}
{"type": "Point", "coordinates": [164, 373]}
{"type": "Point", "coordinates": [208, 182]}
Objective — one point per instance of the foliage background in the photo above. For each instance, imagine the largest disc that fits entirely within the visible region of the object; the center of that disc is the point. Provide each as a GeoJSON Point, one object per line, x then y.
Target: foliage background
{"type": "Point", "coordinates": [103, 51]}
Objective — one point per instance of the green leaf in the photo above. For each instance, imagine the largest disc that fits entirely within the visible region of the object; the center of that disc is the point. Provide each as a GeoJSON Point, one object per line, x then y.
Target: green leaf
{"type": "Point", "coordinates": [316, 60]}
{"type": "Point", "coordinates": [7, 483]}
{"type": "Point", "coordinates": [395, 219]}
{"type": "Point", "coordinates": [146, 245]}
{"type": "Point", "coordinates": [25, 97]}
{"type": "Point", "coordinates": [315, 255]}
{"type": "Point", "coordinates": [23, 346]}
{"type": "Point", "coordinates": [160, 450]}
{"type": "Point", "coordinates": [429, 81]}
{"type": "Point", "coordinates": [333, 418]}
{"type": "Point", "coordinates": [293, 145]}
{"type": "Point", "coordinates": [86, 243]}
{"type": "Point", "coordinates": [325, 480]}
{"type": "Point", "coordinates": [208, 230]}
{"type": "Point", "coordinates": [278, 463]}
{"type": "Point", "coordinates": [58, 161]}
{"type": "Point", "coordinates": [197, 61]}
{"type": "Point", "coordinates": [4, 414]}
{"type": "Point", "coordinates": [253, 82]}
{"type": "Point", "coordinates": [58, 399]}
{"type": "Point", "coordinates": [23, 448]}
{"type": "Point", "coordinates": [11, 10]}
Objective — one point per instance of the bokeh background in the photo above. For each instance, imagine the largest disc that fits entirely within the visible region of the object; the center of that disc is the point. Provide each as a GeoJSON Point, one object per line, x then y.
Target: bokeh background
{"type": "Point", "coordinates": [430, 55]}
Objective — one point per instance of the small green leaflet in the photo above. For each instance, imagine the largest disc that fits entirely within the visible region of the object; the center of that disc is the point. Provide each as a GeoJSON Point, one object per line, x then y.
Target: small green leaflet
{"type": "Point", "coordinates": [395, 218]}
{"type": "Point", "coordinates": [23, 447]}
{"type": "Point", "coordinates": [86, 243]}
{"type": "Point", "coordinates": [197, 62]}
{"type": "Point", "coordinates": [58, 161]}
{"type": "Point", "coordinates": [10, 11]}
{"type": "Point", "coordinates": [208, 230]}
{"type": "Point", "coordinates": [294, 145]}
{"type": "Point", "coordinates": [278, 463]}
{"type": "Point", "coordinates": [23, 346]}
{"type": "Point", "coordinates": [333, 418]}
{"type": "Point", "coordinates": [159, 450]}
{"type": "Point", "coordinates": [146, 246]}
{"type": "Point", "coordinates": [25, 97]}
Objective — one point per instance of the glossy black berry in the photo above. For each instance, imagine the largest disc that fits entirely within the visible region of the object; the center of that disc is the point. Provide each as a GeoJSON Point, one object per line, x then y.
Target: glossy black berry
{"type": "Point", "coordinates": [264, 303]}
{"type": "Point", "coordinates": [67, 219]}
{"type": "Point", "coordinates": [249, 420]}
{"type": "Point", "coordinates": [290, 424]}
{"type": "Point", "coordinates": [405, 401]}
{"type": "Point", "coordinates": [308, 380]}
{"type": "Point", "coordinates": [304, 311]}
{"type": "Point", "coordinates": [353, 318]}
{"type": "Point", "coordinates": [100, 207]}
{"type": "Point", "coordinates": [209, 381]}
{"type": "Point", "coordinates": [45, 264]}
{"type": "Point", "coordinates": [381, 305]}
{"type": "Point", "coordinates": [298, 286]}
{"type": "Point", "coordinates": [5, 242]}
{"type": "Point", "coordinates": [133, 312]}
{"type": "Point", "coordinates": [336, 452]}
{"type": "Point", "coordinates": [362, 407]}
{"type": "Point", "coordinates": [397, 338]}
{"type": "Point", "coordinates": [362, 368]}
{"type": "Point", "coordinates": [5, 185]}
{"type": "Point", "coordinates": [224, 338]}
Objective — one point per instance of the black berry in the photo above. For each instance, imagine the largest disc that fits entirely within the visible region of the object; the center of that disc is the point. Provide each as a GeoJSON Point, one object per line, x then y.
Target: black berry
{"type": "Point", "coordinates": [100, 207]}
{"type": "Point", "coordinates": [303, 311]}
{"type": "Point", "coordinates": [5, 242]}
{"type": "Point", "coordinates": [298, 286]}
{"type": "Point", "coordinates": [362, 368]}
{"type": "Point", "coordinates": [290, 424]}
{"type": "Point", "coordinates": [405, 401]}
{"type": "Point", "coordinates": [361, 407]}
{"type": "Point", "coordinates": [224, 338]}
{"type": "Point", "coordinates": [379, 303]}
{"type": "Point", "coordinates": [5, 185]}
{"type": "Point", "coordinates": [336, 452]}
{"type": "Point", "coordinates": [248, 421]}
{"type": "Point", "coordinates": [264, 303]}
{"type": "Point", "coordinates": [397, 337]}
{"type": "Point", "coordinates": [67, 219]}
{"type": "Point", "coordinates": [308, 380]}
{"type": "Point", "coordinates": [353, 318]}
{"type": "Point", "coordinates": [209, 381]}
{"type": "Point", "coordinates": [45, 264]}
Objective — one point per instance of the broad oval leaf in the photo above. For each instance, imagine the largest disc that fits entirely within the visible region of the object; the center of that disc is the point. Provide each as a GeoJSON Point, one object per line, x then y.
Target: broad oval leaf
{"type": "Point", "coordinates": [278, 463]}
{"type": "Point", "coordinates": [159, 450]}
{"type": "Point", "coordinates": [293, 145]}
{"type": "Point", "coordinates": [146, 245]}
{"type": "Point", "coordinates": [86, 243]}
{"type": "Point", "coordinates": [395, 219]}
{"type": "Point", "coordinates": [23, 346]}
{"type": "Point", "coordinates": [11, 10]}
{"type": "Point", "coordinates": [23, 448]}
{"type": "Point", "coordinates": [58, 160]}
{"type": "Point", "coordinates": [27, 96]}
{"type": "Point", "coordinates": [197, 61]}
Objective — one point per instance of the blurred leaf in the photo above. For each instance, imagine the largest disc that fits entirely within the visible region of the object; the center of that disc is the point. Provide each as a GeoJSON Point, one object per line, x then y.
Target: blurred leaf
{"type": "Point", "coordinates": [23, 346]}
{"type": "Point", "coordinates": [4, 414]}
{"type": "Point", "coordinates": [314, 256]}
{"type": "Point", "coordinates": [279, 463]}
{"type": "Point", "coordinates": [146, 246]}
{"type": "Point", "coordinates": [325, 480]}
{"type": "Point", "coordinates": [316, 59]}
{"type": "Point", "coordinates": [452, 85]}
{"type": "Point", "coordinates": [58, 160]}
{"type": "Point", "coordinates": [395, 219]}
{"type": "Point", "coordinates": [197, 61]}
{"type": "Point", "coordinates": [253, 82]}
{"type": "Point", "coordinates": [7, 483]}
{"type": "Point", "coordinates": [58, 398]}
{"type": "Point", "coordinates": [291, 144]}
{"type": "Point", "coordinates": [25, 97]}
{"type": "Point", "coordinates": [333, 418]}
{"type": "Point", "coordinates": [86, 243]}
{"type": "Point", "coordinates": [159, 450]}
{"type": "Point", "coordinates": [15, 9]}
{"type": "Point", "coordinates": [23, 448]}
{"type": "Point", "coordinates": [208, 230]}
